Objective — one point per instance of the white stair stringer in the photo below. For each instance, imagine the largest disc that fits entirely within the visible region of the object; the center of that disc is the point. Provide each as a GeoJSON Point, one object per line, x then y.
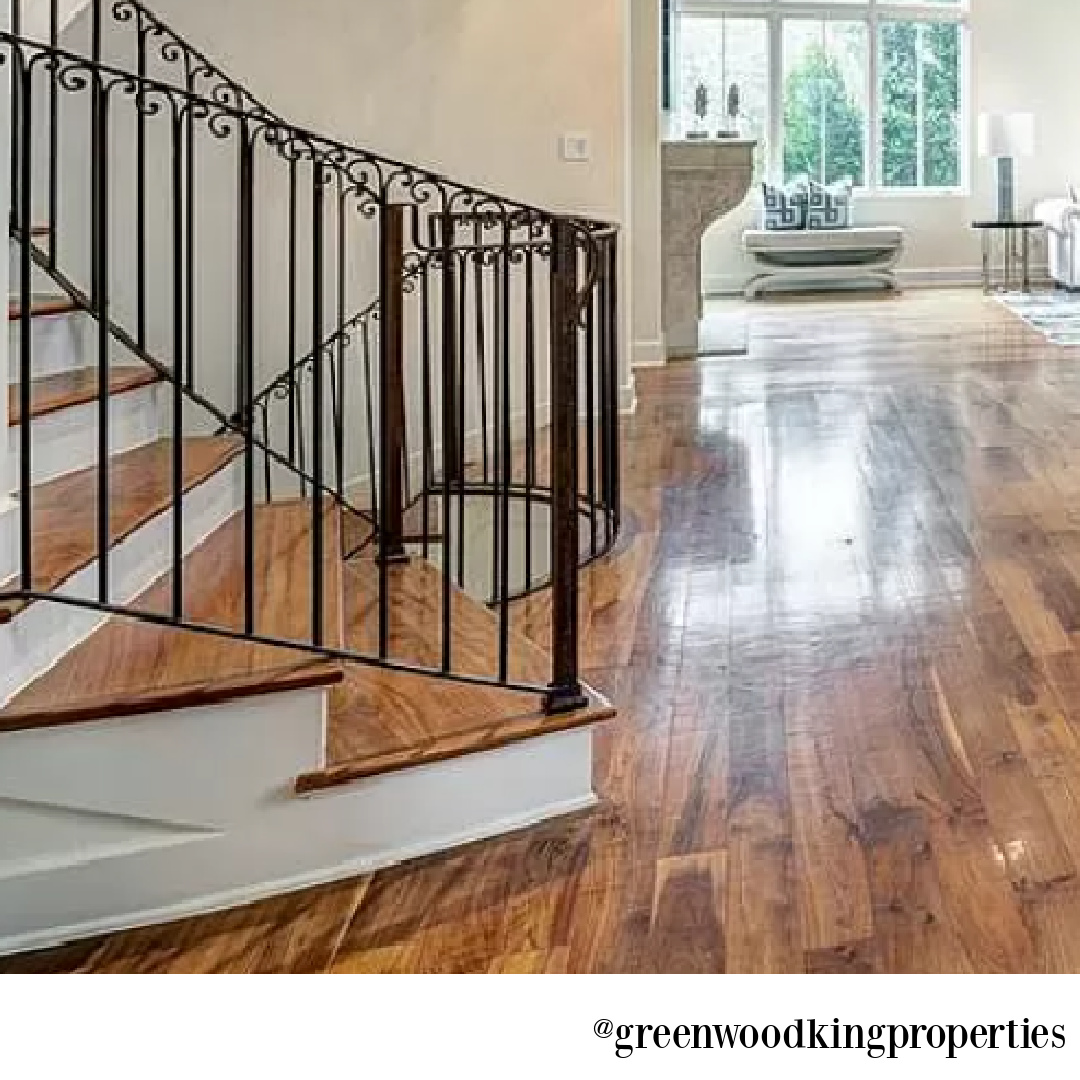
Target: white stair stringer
{"type": "Point", "coordinates": [39, 636]}
{"type": "Point", "coordinates": [195, 811]}
{"type": "Point", "coordinates": [67, 438]}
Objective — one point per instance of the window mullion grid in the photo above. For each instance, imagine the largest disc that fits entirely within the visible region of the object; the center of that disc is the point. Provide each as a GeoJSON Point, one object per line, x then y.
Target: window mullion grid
{"type": "Point", "coordinates": [775, 108]}
{"type": "Point", "coordinates": [874, 125]}
{"type": "Point", "coordinates": [874, 13]}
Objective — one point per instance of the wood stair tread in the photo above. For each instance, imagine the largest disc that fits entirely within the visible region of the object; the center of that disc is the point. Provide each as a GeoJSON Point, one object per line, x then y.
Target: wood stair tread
{"type": "Point", "coordinates": [481, 737]}
{"type": "Point", "coordinates": [65, 509]}
{"type": "Point", "coordinates": [52, 393]}
{"type": "Point", "coordinates": [383, 720]}
{"type": "Point", "coordinates": [41, 306]}
{"type": "Point", "coordinates": [129, 667]}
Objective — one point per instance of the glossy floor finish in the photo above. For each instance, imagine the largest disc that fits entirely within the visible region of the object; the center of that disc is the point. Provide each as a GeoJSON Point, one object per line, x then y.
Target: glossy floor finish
{"type": "Point", "coordinates": [841, 633]}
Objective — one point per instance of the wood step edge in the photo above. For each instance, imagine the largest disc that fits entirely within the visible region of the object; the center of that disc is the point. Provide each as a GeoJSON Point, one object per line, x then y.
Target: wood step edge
{"type": "Point", "coordinates": [507, 732]}
{"type": "Point", "coordinates": [41, 306]}
{"type": "Point", "coordinates": [49, 395]}
{"type": "Point", "coordinates": [303, 675]}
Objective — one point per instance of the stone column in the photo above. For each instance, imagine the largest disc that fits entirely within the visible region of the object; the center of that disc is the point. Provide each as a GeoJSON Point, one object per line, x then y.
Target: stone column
{"type": "Point", "coordinates": [702, 179]}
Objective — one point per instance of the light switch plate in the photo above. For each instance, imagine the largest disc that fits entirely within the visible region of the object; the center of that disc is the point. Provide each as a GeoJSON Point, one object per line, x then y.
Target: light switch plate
{"type": "Point", "coordinates": [576, 146]}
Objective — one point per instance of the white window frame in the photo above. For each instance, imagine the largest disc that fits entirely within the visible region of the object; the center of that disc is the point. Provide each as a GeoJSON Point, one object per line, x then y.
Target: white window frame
{"type": "Point", "coordinates": [873, 12]}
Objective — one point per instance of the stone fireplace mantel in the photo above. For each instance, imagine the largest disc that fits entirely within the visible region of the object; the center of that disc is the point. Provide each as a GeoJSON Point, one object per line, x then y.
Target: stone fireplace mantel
{"type": "Point", "coordinates": [702, 180]}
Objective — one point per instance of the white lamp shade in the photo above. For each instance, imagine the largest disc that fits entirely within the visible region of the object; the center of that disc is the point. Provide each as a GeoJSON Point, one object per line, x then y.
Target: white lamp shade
{"type": "Point", "coordinates": [1006, 135]}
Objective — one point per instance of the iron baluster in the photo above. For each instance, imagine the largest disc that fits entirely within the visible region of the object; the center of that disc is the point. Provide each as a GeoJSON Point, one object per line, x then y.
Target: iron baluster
{"type": "Point", "coordinates": [178, 353]}
{"type": "Point", "coordinates": [318, 542]}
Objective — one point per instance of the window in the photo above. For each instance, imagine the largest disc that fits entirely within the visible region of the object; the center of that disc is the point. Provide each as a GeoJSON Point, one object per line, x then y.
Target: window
{"type": "Point", "coordinates": [867, 89]}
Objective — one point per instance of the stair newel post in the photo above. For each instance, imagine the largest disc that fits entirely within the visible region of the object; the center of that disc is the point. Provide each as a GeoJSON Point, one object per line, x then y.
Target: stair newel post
{"type": "Point", "coordinates": [318, 246]}
{"type": "Point", "coordinates": [391, 404]}
{"type": "Point", "coordinates": [245, 373]}
{"type": "Point", "coordinates": [565, 693]}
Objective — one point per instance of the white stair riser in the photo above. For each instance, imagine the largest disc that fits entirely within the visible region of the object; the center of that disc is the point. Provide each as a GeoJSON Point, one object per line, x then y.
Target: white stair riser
{"type": "Point", "coordinates": [66, 440]}
{"type": "Point", "coordinates": [40, 282]}
{"type": "Point", "coordinates": [59, 345]}
{"type": "Point", "coordinates": [42, 634]}
{"type": "Point", "coordinates": [9, 524]}
{"type": "Point", "coordinates": [129, 822]}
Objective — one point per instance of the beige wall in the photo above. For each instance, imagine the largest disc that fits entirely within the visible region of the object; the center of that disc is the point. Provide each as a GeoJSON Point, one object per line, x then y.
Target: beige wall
{"type": "Point", "coordinates": [480, 90]}
{"type": "Point", "coordinates": [644, 165]}
{"type": "Point", "coordinates": [1023, 59]}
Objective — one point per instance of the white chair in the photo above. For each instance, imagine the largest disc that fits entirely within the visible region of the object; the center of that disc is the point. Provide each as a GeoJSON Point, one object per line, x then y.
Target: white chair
{"type": "Point", "coordinates": [1062, 220]}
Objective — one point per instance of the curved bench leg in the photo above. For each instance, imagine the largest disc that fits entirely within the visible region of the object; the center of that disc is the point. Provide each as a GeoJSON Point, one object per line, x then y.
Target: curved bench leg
{"type": "Point", "coordinates": [884, 278]}
{"type": "Point", "coordinates": [756, 286]}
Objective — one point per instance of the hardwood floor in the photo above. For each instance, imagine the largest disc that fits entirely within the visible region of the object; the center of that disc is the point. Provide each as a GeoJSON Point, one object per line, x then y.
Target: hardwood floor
{"type": "Point", "coordinates": [382, 720]}
{"type": "Point", "coordinates": [840, 634]}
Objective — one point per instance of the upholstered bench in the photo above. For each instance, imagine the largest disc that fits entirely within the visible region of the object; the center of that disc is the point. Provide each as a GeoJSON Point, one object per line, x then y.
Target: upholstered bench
{"type": "Point", "coordinates": [812, 258]}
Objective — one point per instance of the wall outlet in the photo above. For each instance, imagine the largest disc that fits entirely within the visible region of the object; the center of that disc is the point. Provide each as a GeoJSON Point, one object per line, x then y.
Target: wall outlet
{"type": "Point", "coordinates": [576, 146]}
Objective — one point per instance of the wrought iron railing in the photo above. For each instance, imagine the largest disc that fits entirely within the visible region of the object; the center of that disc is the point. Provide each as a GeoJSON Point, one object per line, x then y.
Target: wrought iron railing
{"type": "Point", "coordinates": [438, 361]}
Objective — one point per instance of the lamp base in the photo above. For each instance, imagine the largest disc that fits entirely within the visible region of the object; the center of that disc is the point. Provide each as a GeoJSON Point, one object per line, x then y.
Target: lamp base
{"type": "Point", "coordinates": [1006, 189]}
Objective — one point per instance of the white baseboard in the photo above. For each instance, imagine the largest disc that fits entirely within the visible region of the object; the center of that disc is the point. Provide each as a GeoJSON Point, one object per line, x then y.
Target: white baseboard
{"type": "Point", "coordinates": [647, 354]}
{"type": "Point", "coordinates": [628, 396]}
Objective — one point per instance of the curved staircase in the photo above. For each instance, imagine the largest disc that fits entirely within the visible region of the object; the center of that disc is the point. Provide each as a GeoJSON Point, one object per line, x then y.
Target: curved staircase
{"type": "Point", "coordinates": [255, 640]}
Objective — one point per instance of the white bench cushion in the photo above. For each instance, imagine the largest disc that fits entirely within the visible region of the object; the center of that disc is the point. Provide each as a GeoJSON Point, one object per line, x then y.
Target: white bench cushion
{"type": "Point", "coordinates": [861, 238]}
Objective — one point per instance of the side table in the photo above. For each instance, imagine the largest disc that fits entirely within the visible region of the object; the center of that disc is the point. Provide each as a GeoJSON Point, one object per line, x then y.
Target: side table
{"type": "Point", "coordinates": [1009, 231]}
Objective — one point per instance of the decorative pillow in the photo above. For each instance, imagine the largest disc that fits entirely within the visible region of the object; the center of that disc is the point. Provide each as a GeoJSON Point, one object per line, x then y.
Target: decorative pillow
{"type": "Point", "coordinates": [831, 207]}
{"type": "Point", "coordinates": [784, 208]}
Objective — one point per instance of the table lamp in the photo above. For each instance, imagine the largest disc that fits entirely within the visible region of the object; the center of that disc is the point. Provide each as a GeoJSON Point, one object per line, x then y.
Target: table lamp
{"type": "Point", "coordinates": [1005, 137]}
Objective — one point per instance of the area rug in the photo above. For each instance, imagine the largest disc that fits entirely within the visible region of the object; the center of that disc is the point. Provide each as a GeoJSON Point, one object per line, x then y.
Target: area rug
{"type": "Point", "coordinates": [1056, 315]}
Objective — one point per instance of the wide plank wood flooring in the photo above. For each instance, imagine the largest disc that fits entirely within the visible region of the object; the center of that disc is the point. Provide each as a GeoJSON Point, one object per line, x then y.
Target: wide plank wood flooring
{"type": "Point", "coordinates": [842, 633]}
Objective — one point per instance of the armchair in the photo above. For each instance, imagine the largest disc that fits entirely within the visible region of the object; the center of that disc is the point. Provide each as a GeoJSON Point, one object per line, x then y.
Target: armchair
{"type": "Point", "coordinates": [1062, 220]}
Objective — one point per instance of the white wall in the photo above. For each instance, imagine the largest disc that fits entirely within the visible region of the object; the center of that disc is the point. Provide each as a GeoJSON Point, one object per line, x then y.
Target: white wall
{"type": "Point", "coordinates": [644, 167]}
{"type": "Point", "coordinates": [475, 89]}
{"type": "Point", "coordinates": [1023, 59]}
{"type": "Point", "coordinates": [478, 89]}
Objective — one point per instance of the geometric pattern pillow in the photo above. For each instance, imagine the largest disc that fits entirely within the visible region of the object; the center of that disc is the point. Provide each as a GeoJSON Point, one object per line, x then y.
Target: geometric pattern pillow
{"type": "Point", "coordinates": [831, 207]}
{"type": "Point", "coordinates": [784, 208]}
